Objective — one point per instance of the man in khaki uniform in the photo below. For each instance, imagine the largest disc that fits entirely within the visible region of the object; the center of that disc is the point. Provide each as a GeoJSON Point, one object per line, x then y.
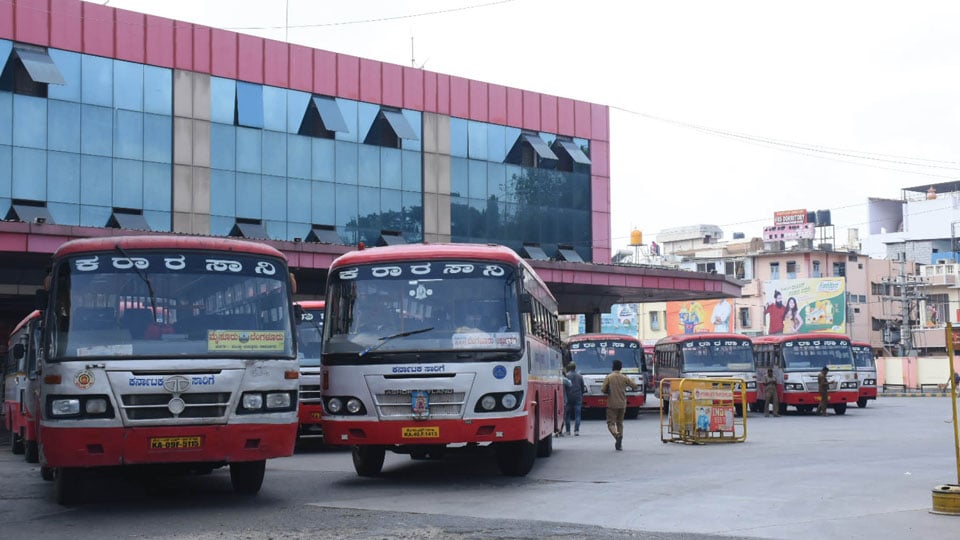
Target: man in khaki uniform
{"type": "Point", "coordinates": [615, 387]}
{"type": "Point", "coordinates": [823, 385]}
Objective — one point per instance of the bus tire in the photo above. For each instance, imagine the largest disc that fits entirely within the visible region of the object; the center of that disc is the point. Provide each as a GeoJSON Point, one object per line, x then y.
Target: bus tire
{"type": "Point", "coordinates": [862, 402]}
{"type": "Point", "coordinates": [31, 452]}
{"type": "Point", "coordinates": [46, 473]}
{"type": "Point", "coordinates": [783, 408]}
{"type": "Point", "coordinates": [368, 459]}
{"type": "Point", "coordinates": [247, 476]}
{"type": "Point", "coordinates": [515, 458]}
{"type": "Point", "coordinates": [840, 408]}
{"type": "Point", "coordinates": [805, 409]}
{"type": "Point", "coordinates": [16, 443]}
{"type": "Point", "coordinates": [633, 413]}
{"type": "Point", "coordinates": [67, 485]}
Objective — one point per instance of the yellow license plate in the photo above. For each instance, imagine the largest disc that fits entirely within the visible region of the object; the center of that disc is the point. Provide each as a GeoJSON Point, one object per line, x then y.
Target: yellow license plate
{"type": "Point", "coordinates": [426, 432]}
{"type": "Point", "coordinates": [175, 443]}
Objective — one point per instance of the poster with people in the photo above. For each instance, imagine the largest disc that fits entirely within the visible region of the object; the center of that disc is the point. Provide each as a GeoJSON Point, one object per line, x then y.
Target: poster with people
{"type": "Point", "coordinates": [804, 305]}
{"type": "Point", "coordinates": [695, 316]}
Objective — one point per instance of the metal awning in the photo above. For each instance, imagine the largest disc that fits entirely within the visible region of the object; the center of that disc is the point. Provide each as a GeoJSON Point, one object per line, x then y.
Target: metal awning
{"type": "Point", "coordinates": [534, 252]}
{"type": "Point", "coordinates": [330, 114]}
{"type": "Point", "coordinates": [249, 230]}
{"type": "Point", "coordinates": [324, 234]}
{"type": "Point", "coordinates": [539, 146]}
{"type": "Point", "coordinates": [574, 151]}
{"type": "Point", "coordinates": [400, 125]}
{"type": "Point", "coordinates": [29, 213]}
{"type": "Point", "coordinates": [127, 220]}
{"type": "Point", "coordinates": [38, 64]}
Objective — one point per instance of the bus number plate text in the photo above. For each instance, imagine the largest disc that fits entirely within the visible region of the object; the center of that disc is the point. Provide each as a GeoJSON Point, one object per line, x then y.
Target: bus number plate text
{"type": "Point", "coordinates": [174, 443]}
{"type": "Point", "coordinates": [425, 432]}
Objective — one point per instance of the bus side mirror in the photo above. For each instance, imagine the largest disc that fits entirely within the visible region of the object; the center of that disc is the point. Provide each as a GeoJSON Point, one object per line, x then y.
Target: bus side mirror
{"type": "Point", "coordinates": [526, 303]}
{"type": "Point", "coordinates": [40, 299]}
{"type": "Point", "coordinates": [19, 351]}
{"type": "Point", "coordinates": [298, 312]}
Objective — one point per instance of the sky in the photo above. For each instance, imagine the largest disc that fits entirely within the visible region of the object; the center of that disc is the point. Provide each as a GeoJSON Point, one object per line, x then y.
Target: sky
{"type": "Point", "coordinates": [721, 113]}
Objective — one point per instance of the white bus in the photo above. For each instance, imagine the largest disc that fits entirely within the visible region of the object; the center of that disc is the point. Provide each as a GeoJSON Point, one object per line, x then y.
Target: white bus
{"type": "Point", "coordinates": [866, 372]}
{"type": "Point", "coordinates": [309, 345]}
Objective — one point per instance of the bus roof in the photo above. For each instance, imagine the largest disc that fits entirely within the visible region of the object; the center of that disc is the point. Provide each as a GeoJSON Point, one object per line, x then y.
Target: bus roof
{"type": "Point", "coordinates": [165, 241]}
{"type": "Point", "coordinates": [781, 338]}
{"type": "Point", "coordinates": [860, 344]}
{"type": "Point", "coordinates": [35, 314]}
{"type": "Point", "coordinates": [599, 336]}
{"type": "Point", "coordinates": [682, 338]}
{"type": "Point", "coordinates": [311, 304]}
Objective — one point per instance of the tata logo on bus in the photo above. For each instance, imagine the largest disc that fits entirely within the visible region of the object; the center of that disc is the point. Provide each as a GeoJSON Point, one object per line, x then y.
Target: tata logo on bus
{"type": "Point", "coordinates": [790, 217]}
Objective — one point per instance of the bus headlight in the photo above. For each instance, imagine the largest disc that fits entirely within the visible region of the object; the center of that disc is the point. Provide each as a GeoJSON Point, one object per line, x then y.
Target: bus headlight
{"type": "Point", "coordinates": [792, 386]}
{"type": "Point", "coordinates": [354, 406]}
{"type": "Point", "coordinates": [95, 406]}
{"type": "Point", "coordinates": [334, 405]}
{"type": "Point", "coordinates": [848, 384]}
{"type": "Point", "coordinates": [751, 385]}
{"type": "Point", "coordinates": [65, 407]}
{"type": "Point", "coordinates": [252, 401]}
{"type": "Point", "coordinates": [488, 402]}
{"type": "Point", "coordinates": [509, 401]}
{"type": "Point", "coordinates": [278, 400]}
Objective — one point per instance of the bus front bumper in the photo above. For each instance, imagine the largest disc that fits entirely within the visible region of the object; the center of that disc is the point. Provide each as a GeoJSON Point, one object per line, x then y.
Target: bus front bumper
{"type": "Point", "coordinates": [813, 398]}
{"type": "Point", "coordinates": [311, 420]}
{"type": "Point", "coordinates": [416, 432]}
{"type": "Point", "coordinates": [600, 402]}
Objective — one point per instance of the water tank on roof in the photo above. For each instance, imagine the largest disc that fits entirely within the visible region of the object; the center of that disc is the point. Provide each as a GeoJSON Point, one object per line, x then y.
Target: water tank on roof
{"type": "Point", "coordinates": [823, 218]}
{"type": "Point", "coordinates": [811, 217]}
{"type": "Point", "coordinates": [636, 237]}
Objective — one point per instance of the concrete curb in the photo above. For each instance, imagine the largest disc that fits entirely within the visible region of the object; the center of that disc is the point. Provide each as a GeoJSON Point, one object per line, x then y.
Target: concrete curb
{"type": "Point", "coordinates": [914, 394]}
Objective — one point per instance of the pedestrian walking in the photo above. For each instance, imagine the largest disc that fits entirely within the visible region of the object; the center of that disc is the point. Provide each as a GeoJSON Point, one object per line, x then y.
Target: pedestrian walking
{"type": "Point", "coordinates": [770, 394]}
{"type": "Point", "coordinates": [615, 387]}
{"type": "Point", "coordinates": [574, 399]}
{"type": "Point", "coordinates": [823, 385]}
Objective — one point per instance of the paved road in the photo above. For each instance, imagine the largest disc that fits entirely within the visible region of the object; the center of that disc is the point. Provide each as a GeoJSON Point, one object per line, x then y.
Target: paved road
{"type": "Point", "coordinates": [867, 474]}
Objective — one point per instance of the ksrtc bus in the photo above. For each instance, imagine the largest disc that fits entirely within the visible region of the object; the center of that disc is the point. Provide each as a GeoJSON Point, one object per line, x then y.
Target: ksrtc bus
{"type": "Point", "coordinates": [594, 354]}
{"type": "Point", "coordinates": [649, 359]}
{"type": "Point", "coordinates": [707, 355]}
{"type": "Point", "coordinates": [866, 372]}
{"type": "Point", "coordinates": [167, 350]}
{"type": "Point", "coordinates": [309, 345]}
{"type": "Point", "coordinates": [20, 386]}
{"type": "Point", "coordinates": [797, 359]}
{"type": "Point", "coordinates": [428, 346]}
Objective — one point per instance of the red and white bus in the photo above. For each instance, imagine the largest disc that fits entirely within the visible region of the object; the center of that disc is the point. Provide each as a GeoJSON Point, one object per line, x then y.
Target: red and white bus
{"type": "Point", "coordinates": [171, 350]}
{"type": "Point", "coordinates": [19, 385]}
{"type": "Point", "coordinates": [309, 345]}
{"type": "Point", "coordinates": [594, 355]}
{"type": "Point", "coordinates": [432, 345]}
{"type": "Point", "coordinates": [797, 359]}
{"type": "Point", "coordinates": [650, 360]}
{"type": "Point", "coordinates": [866, 372]}
{"type": "Point", "coordinates": [708, 355]}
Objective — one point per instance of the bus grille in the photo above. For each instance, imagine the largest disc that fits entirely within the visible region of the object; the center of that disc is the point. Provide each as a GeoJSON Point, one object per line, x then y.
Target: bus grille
{"type": "Point", "coordinates": [310, 393]}
{"type": "Point", "coordinates": [154, 406]}
{"type": "Point", "coordinates": [441, 404]}
{"type": "Point", "coordinates": [815, 387]}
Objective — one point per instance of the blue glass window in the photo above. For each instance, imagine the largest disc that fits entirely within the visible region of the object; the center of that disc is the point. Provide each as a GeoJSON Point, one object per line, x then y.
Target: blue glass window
{"type": "Point", "coordinates": [221, 226]}
{"type": "Point", "coordinates": [298, 200]}
{"type": "Point", "coordinates": [274, 197]}
{"type": "Point", "coordinates": [496, 180]}
{"type": "Point", "coordinates": [368, 207]}
{"type": "Point", "coordinates": [248, 195]}
{"type": "Point", "coordinates": [391, 208]}
{"type": "Point", "coordinates": [366, 114]}
{"type": "Point", "coordinates": [6, 118]}
{"type": "Point", "coordinates": [63, 126]}
{"type": "Point", "coordinates": [128, 85]}
{"type": "Point", "coordinates": [274, 153]}
{"type": "Point", "coordinates": [97, 81]}
{"type": "Point", "coordinates": [6, 169]}
{"type": "Point", "coordinates": [222, 100]}
{"type": "Point", "coordinates": [158, 91]}
{"type": "Point", "coordinates": [459, 177]}
{"type": "Point", "coordinates": [276, 229]}
{"type": "Point", "coordinates": [96, 181]}
{"type": "Point", "coordinates": [160, 221]}
{"type": "Point", "coordinates": [478, 179]}
{"type": "Point", "coordinates": [496, 143]}
{"type": "Point", "coordinates": [514, 174]}
{"type": "Point", "coordinates": [411, 178]}
{"type": "Point", "coordinates": [274, 109]}
{"type": "Point", "coordinates": [29, 170]}
{"type": "Point", "coordinates": [128, 183]}
{"type": "Point", "coordinates": [296, 107]}
{"type": "Point", "coordinates": [29, 121]}
{"type": "Point", "coordinates": [369, 165]}
{"type": "Point", "coordinates": [298, 156]}
{"type": "Point", "coordinates": [223, 193]}
{"type": "Point", "coordinates": [223, 147]}
{"type": "Point", "coordinates": [391, 170]}
{"type": "Point", "coordinates": [323, 163]}
{"type": "Point", "coordinates": [346, 204]}
{"type": "Point", "coordinates": [323, 202]}
{"type": "Point", "coordinates": [413, 212]}
{"type": "Point", "coordinates": [157, 188]}
{"type": "Point", "coordinates": [69, 65]}
{"type": "Point", "coordinates": [249, 105]}
{"type": "Point", "coordinates": [415, 120]}
{"type": "Point", "coordinates": [94, 216]}
{"type": "Point", "coordinates": [96, 130]}
{"type": "Point", "coordinates": [128, 135]}
{"type": "Point", "coordinates": [64, 214]}
{"type": "Point", "coordinates": [458, 137]}
{"type": "Point", "coordinates": [248, 150]}
{"type": "Point", "coordinates": [158, 138]}
{"type": "Point", "coordinates": [347, 163]}
{"type": "Point", "coordinates": [63, 178]}
{"type": "Point", "coordinates": [349, 110]}
{"type": "Point", "coordinates": [477, 140]}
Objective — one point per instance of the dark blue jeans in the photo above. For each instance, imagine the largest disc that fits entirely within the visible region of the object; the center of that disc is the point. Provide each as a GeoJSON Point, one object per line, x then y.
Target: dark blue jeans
{"type": "Point", "coordinates": [572, 413]}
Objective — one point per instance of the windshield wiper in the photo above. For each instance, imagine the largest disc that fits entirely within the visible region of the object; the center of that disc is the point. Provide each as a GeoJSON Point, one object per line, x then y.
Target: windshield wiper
{"type": "Point", "coordinates": [385, 339]}
{"type": "Point", "coordinates": [144, 277]}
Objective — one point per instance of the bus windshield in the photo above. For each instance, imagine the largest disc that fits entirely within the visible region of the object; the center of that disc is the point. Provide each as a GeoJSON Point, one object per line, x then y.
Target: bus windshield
{"type": "Point", "coordinates": [863, 357]}
{"type": "Point", "coordinates": [414, 306]}
{"type": "Point", "coordinates": [814, 354]}
{"type": "Point", "coordinates": [717, 355]}
{"type": "Point", "coordinates": [309, 335]}
{"type": "Point", "coordinates": [596, 357]}
{"type": "Point", "coordinates": [186, 304]}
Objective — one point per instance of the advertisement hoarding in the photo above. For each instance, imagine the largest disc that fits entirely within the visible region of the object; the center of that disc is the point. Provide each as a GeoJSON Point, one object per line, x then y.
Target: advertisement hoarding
{"type": "Point", "coordinates": [694, 316]}
{"type": "Point", "coordinates": [805, 305]}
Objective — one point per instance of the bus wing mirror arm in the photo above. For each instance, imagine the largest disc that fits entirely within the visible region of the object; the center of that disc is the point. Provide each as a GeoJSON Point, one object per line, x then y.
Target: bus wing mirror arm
{"type": "Point", "coordinates": [40, 299]}
{"type": "Point", "coordinates": [526, 303]}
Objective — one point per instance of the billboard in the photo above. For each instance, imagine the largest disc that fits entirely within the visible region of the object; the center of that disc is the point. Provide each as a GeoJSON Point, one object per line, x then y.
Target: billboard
{"type": "Point", "coordinates": [693, 316]}
{"type": "Point", "coordinates": [622, 319]}
{"type": "Point", "coordinates": [790, 217]}
{"type": "Point", "coordinates": [804, 305]}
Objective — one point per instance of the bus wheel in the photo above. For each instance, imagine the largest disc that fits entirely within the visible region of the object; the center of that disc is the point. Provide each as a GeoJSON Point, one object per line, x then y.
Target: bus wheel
{"type": "Point", "coordinates": [368, 460]}
{"type": "Point", "coordinates": [67, 485]}
{"type": "Point", "coordinates": [16, 443]}
{"type": "Point", "coordinates": [31, 452]}
{"type": "Point", "coordinates": [805, 409]}
{"type": "Point", "coordinates": [738, 410]}
{"type": "Point", "coordinates": [515, 458]}
{"type": "Point", "coordinates": [247, 476]}
{"type": "Point", "coordinates": [783, 408]}
{"type": "Point", "coordinates": [862, 403]}
{"type": "Point", "coordinates": [545, 446]}
{"type": "Point", "coordinates": [633, 413]}
{"type": "Point", "coordinates": [840, 408]}
{"type": "Point", "coordinates": [46, 473]}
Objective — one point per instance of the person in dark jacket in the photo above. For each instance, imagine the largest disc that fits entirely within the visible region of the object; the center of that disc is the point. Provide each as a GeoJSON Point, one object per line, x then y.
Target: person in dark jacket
{"type": "Point", "coordinates": [574, 399]}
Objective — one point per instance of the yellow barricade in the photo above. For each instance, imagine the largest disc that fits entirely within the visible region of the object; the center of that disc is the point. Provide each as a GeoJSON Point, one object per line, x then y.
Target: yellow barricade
{"type": "Point", "coordinates": [699, 411]}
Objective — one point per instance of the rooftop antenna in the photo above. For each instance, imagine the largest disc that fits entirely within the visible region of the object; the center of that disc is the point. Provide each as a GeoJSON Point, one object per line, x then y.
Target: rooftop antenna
{"type": "Point", "coordinates": [413, 63]}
